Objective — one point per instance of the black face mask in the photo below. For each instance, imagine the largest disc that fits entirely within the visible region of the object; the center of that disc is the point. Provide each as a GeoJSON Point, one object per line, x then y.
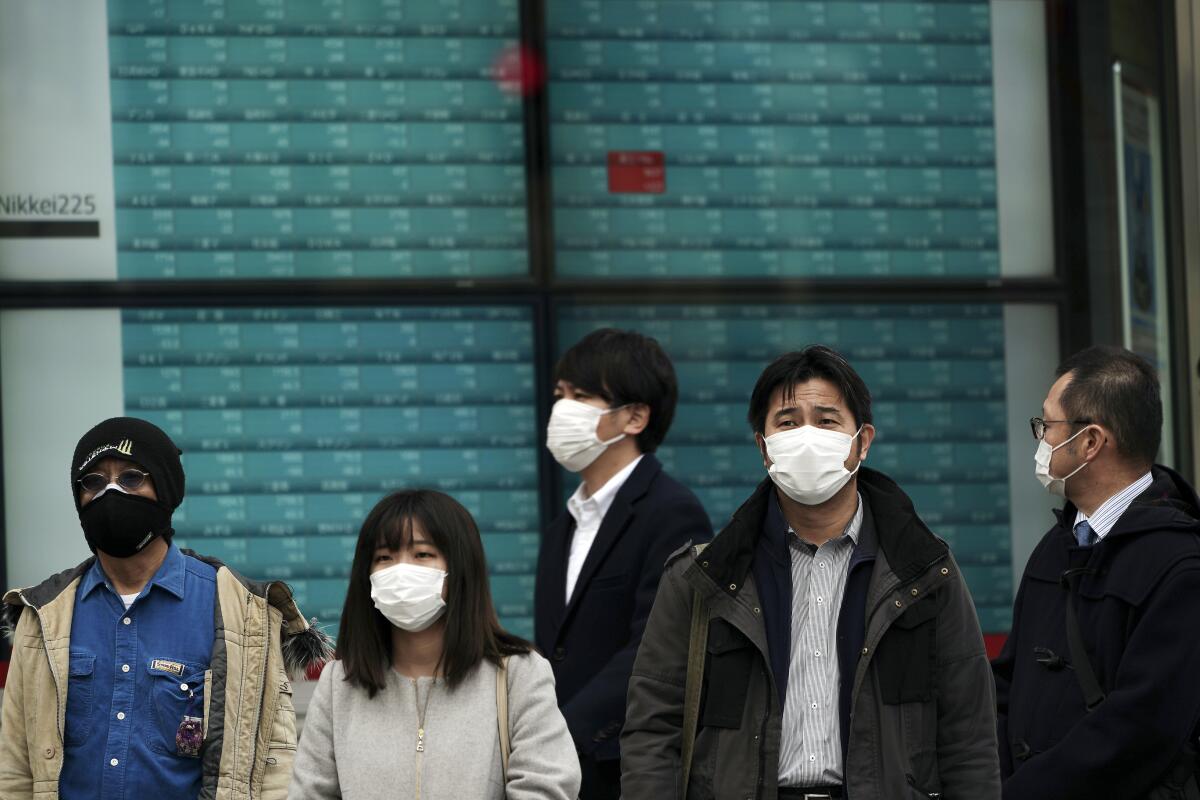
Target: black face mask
{"type": "Point", "coordinates": [121, 525]}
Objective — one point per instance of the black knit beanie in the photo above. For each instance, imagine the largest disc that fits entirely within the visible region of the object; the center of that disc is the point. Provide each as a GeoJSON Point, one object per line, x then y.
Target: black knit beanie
{"type": "Point", "coordinates": [133, 440]}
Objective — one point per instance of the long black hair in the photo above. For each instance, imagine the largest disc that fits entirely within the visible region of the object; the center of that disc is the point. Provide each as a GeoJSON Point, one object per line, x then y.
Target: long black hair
{"type": "Point", "coordinates": [473, 631]}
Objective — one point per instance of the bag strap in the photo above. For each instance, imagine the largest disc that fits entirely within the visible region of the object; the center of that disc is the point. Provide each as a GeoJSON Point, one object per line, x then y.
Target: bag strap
{"type": "Point", "coordinates": [1093, 694]}
{"type": "Point", "coordinates": [502, 715]}
{"type": "Point", "coordinates": [697, 644]}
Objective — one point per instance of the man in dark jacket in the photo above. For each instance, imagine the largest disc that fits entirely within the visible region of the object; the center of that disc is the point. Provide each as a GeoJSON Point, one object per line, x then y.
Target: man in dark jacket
{"type": "Point", "coordinates": [601, 561]}
{"type": "Point", "coordinates": [843, 656]}
{"type": "Point", "coordinates": [1125, 552]}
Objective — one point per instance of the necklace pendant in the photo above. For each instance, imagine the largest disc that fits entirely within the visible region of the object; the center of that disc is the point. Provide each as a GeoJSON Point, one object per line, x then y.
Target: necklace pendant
{"type": "Point", "coordinates": [421, 740]}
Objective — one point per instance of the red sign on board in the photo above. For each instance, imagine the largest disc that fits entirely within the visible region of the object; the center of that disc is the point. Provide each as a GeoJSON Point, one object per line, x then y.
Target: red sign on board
{"type": "Point", "coordinates": [637, 172]}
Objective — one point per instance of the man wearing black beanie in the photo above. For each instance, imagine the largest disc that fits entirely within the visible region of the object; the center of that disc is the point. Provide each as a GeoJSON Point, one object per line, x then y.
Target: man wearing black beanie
{"type": "Point", "coordinates": [148, 670]}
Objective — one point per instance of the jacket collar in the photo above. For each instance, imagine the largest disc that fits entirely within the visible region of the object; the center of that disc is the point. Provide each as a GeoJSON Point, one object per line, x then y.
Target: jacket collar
{"type": "Point", "coordinates": [775, 529]}
{"type": "Point", "coordinates": [908, 546]}
{"type": "Point", "coordinates": [46, 591]}
{"type": "Point", "coordinates": [1169, 503]}
{"type": "Point", "coordinates": [615, 521]}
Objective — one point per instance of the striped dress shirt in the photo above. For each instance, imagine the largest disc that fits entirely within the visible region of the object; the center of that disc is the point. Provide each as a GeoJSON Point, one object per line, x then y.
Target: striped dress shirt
{"type": "Point", "coordinates": [1105, 517]}
{"type": "Point", "coordinates": [810, 752]}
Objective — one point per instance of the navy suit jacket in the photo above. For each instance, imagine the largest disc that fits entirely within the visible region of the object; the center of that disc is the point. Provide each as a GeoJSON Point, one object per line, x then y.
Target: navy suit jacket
{"type": "Point", "coordinates": [592, 640]}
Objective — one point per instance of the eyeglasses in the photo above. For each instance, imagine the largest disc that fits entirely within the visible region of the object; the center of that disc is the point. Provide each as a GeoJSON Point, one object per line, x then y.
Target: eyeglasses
{"type": "Point", "coordinates": [130, 480]}
{"type": "Point", "coordinates": [1038, 425]}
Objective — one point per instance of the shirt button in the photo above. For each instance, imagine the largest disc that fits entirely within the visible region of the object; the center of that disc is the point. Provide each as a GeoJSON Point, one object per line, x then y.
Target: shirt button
{"type": "Point", "coordinates": [820, 599]}
{"type": "Point", "coordinates": [183, 686]}
{"type": "Point", "coordinates": [48, 752]}
{"type": "Point", "coordinates": [120, 715]}
{"type": "Point", "coordinates": [814, 705]}
{"type": "Point", "coordinates": [822, 565]}
{"type": "Point", "coordinates": [124, 668]}
{"type": "Point", "coordinates": [126, 620]}
{"type": "Point", "coordinates": [114, 762]}
{"type": "Point", "coordinates": [810, 758]}
{"type": "Point", "coordinates": [817, 653]}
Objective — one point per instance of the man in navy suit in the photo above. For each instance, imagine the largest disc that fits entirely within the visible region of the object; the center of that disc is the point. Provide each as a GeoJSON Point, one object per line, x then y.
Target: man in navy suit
{"type": "Point", "coordinates": [601, 560]}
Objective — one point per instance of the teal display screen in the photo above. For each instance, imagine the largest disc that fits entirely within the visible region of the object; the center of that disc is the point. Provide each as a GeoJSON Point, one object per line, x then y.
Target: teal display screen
{"type": "Point", "coordinates": [295, 422]}
{"type": "Point", "coordinates": [273, 139]}
{"type": "Point", "coordinates": [724, 138]}
{"type": "Point", "coordinates": [936, 376]}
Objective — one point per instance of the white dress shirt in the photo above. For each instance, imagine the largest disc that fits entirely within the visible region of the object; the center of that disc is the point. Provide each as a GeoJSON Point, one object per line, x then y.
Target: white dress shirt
{"type": "Point", "coordinates": [1106, 515]}
{"type": "Point", "coordinates": [589, 513]}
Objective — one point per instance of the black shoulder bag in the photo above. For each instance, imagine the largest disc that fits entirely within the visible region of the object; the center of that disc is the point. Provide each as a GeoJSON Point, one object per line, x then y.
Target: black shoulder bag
{"type": "Point", "coordinates": [1180, 781]}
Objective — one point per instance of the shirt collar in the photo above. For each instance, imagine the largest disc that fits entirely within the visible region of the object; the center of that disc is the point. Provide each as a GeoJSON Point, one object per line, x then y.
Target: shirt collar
{"type": "Point", "coordinates": [1105, 517]}
{"type": "Point", "coordinates": [169, 576]}
{"type": "Point", "coordinates": [602, 499]}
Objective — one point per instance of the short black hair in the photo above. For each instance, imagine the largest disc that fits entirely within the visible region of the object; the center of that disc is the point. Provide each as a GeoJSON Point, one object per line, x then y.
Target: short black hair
{"type": "Point", "coordinates": [1118, 389]}
{"type": "Point", "coordinates": [473, 632]}
{"type": "Point", "coordinates": [625, 367]}
{"type": "Point", "coordinates": [799, 366]}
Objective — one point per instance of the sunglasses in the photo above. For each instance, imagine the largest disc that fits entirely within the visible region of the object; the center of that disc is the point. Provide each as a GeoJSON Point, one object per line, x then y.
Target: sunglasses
{"type": "Point", "coordinates": [130, 480]}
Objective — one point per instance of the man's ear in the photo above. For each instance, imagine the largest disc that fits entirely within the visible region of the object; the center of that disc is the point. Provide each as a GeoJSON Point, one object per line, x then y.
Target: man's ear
{"type": "Point", "coordinates": [865, 437]}
{"type": "Point", "coordinates": [1091, 440]}
{"type": "Point", "coordinates": [762, 449]}
{"type": "Point", "coordinates": [639, 418]}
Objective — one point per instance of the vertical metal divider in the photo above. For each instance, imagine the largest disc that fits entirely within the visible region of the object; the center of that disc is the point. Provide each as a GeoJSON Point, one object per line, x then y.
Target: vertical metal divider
{"type": "Point", "coordinates": [545, 348]}
{"type": "Point", "coordinates": [540, 225]}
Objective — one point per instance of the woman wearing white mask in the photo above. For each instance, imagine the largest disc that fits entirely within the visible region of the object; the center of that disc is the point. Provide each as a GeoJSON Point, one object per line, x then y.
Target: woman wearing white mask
{"type": "Point", "coordinates": [430, 697]}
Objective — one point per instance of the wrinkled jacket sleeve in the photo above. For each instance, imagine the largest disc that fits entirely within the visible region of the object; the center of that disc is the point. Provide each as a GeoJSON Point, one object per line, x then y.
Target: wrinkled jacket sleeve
{"type": "Point", "coordinates": [650, 742]}
{"type": "Point", "coordinates": [1139, 728]}
{"type": "Point", "coordinates": [591, 709]}
{"type": "Point", "coordinates": [543, 764]}
{"type": "Point", "coordinates": [968, 762]}
{"type": "Point", "coordinates": [16, 777]}
{"type": "Point", "coordinates": [314, 773]}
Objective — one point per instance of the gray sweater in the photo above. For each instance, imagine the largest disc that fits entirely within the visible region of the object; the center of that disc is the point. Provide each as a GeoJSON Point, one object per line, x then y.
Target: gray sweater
{"type": "Point", "coordinates": [361, 749]}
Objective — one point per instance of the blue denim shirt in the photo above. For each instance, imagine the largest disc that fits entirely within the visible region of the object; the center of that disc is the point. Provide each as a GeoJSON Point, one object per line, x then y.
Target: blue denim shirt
{"type": "Point", "coordinates": [134, 676]}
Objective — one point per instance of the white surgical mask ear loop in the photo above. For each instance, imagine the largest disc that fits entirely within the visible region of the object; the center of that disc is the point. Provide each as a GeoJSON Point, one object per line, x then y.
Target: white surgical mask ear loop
{"type": "Point", "coordinates": [616, 438]}
{"type": "Point", "coordinates": [1054, 449]}
{"type": "Point", "coordinates": [861, 459]}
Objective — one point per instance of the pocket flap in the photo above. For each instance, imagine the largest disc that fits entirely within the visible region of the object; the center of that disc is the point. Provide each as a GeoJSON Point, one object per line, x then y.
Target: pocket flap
{"type": "Point", "coordinates": [723, 638]}
{"type": "Point", "coordinates": [81, 664]}
{"type": "Point", "coordinates": [921, 611]}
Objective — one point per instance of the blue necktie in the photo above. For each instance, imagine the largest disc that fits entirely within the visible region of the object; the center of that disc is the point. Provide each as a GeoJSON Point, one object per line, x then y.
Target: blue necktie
{"type": "Point", "coordinates": [1084, 534]}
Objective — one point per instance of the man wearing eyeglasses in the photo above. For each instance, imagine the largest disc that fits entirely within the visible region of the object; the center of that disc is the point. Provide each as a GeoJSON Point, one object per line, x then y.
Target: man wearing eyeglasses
{"type": "Point", "coordinates": [1097, 687]}
{"type": "Point", "coordinates": [147, 671]}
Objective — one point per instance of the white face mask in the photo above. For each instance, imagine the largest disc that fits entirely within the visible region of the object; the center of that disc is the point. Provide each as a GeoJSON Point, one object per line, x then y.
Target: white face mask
{"type": "Point", "coordinates": [571, 435]}
{"type": "Point", "coordinates": [809, 464]}
{"type": "Point", "coordinates": [408, 595]}
{"type": "Point", "coordinates": [1041, 467]}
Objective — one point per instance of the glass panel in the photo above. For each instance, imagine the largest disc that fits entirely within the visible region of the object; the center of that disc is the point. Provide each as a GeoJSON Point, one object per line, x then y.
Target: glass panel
{"type": "Point", "coordinates": [294, 422]}
{"type": "Point", "coordinates": [342, 139]}
{"type": "Point", "coordinates": [723, 138]}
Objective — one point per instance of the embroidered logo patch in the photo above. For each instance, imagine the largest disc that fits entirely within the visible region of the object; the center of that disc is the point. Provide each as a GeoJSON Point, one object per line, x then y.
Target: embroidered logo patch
{"type": "Point", "coordinates": [124, 447]}
{"type": "Point", "coordinates": [174, 667]}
